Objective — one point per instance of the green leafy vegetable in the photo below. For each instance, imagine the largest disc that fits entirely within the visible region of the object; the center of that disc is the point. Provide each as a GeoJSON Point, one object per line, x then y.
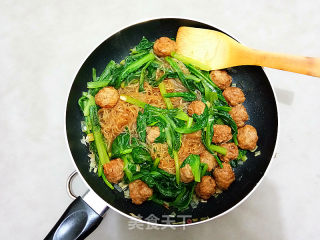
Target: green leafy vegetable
{"type": "Point", "coordinates": [142, 126]}
{"type": "Point", "coordinates": [144, 44]}
{"type": "Point", "coordinates": [142, 76]}
{"type": "Point", "coordinates": [200, 122]}
{"type": "Point", "coordinates": [105, 77]}
{"type": "Point", "coordinates": [242, 155]}
{"type": "Point", "coordinates": [141, 155]}
{"type": "Point", "coordinates": [163, 93]}
{"type": "Point", "coordinates": [98, 138]}
{"type": "Point", "coordinates": [207, 135]}
{"type": "Point", "coordinates": [227, 119]}
{"type": "Point", "coordinates": [187, 96]}
{"type": "Point", "coordinates": [184, 198]}
{"type": "Point", "coordinates": [180, 74]}
{"type": "Point", "coordinates": [134, 66]}
{"type": "Point", "coordinates": [120, 145]}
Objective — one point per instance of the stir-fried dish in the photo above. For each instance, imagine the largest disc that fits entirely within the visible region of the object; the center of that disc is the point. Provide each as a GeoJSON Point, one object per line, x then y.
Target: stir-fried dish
{"type": "Point", "coordinates": [160, 129]}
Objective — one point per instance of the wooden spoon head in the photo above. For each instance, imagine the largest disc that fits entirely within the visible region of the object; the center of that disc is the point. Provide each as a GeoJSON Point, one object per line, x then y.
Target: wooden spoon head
{"type": "Point", "coordinates": [212, 48]}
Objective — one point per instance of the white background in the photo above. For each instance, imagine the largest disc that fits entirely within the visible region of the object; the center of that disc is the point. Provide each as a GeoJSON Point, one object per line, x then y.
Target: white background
{"type": "Point", "coordinates": [44, 43]}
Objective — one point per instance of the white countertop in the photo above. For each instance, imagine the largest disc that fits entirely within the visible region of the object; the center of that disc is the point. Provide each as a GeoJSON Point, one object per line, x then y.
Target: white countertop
{"type": "Point", "coordinates": [44, 43]}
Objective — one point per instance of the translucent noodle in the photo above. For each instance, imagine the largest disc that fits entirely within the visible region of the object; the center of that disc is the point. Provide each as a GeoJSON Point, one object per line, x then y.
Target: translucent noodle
{"type": "Point", "coordinates": [114, 120]}
{"type": "Point", "coordinates": [191, 144]}
{"type": "Point", "coordinates": [160, 150]}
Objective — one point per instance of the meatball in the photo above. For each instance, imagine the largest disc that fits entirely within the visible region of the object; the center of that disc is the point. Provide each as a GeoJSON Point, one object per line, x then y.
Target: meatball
{"type": "Point", "coordinates": [206, 188]}
{"type": "Point", "coordinates": [232, 152]}
{"type": "Point", "coordinates": [239, 115]}
{"type": "Point", "coordinates": [224, 176]}
{"type": "Point", "coordinates": [221, 133]}
{"type": "Point", "coordinates": [164, 46]}
{"type": "Point", "coordinates": [139, 191]}
{"type": "Point", "coordinates": [247, 137]}
{"type": "Point", "coordinates": [191, 144]}
{"type": "Point", "coordinates": [234, 96]}
{"type": "Point", "coordinates": [152, 134]}
{"type": "Point", "coordinates": [114, 170]}
{"type": "Point", "coordinates": [208, 158]}
{"type": "Point", "coordinates": [107, 97]}
{"type": "Point", "coordinates": [195, 135]}
{"type": "Point", "coordinates": [196, 107]}
{"type": "Point", "coordinates": [186, 174]}
{"type": "Point", "coordinates": [221, 78]}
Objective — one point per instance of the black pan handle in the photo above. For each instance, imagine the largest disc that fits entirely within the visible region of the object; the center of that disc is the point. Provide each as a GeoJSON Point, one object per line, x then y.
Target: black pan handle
{"type": "Point", "coordinates": [77, 222]}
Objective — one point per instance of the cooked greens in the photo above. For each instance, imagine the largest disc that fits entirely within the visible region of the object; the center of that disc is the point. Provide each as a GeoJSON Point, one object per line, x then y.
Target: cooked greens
{"type": "Point", "coordinates": [142, 66]}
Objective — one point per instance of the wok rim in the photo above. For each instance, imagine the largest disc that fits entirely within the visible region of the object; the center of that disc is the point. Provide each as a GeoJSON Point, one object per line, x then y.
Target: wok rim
{"type": "Point", "coordinates": [144, 20]}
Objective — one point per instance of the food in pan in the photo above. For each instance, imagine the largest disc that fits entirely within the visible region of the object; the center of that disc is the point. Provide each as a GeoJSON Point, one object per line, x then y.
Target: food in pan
{"type": "Point", "coordinates": [169, 131]}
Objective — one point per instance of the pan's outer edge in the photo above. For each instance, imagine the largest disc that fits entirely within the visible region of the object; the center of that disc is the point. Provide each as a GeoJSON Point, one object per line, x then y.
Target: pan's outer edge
{"type": "Point", "coordinates": [158, 224]}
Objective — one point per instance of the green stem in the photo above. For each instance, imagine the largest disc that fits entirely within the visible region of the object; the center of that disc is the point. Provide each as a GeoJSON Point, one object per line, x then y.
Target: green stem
{"type": "Point", "coordinates": [126, 169]}
{"type": "Point", "coordinates": [189, 122]}
{"type": "Point", "coordinates": [91, 102]}
{"type": "Point", "coordinates": [94, 75]}
{"type": "Point", "coordinates": [136, 65]}
{"type": "Point", "coordinates": [187, 96]}
{"type": "Point", "coordinates": [156, 162]}
{"type": "Point", "coordinates": [192, 77]}
{"type": "Point", "coordinates": [235, 139]}
{"type": "Point", "coordinates": [98, 138]}
{"type": "Point", "coordinates": [101, 146]}
{"type": "Point", "coordinates": [142, 77]}
{"type": "Point", "coordinates": [187, 129]}
{"type": "Point", "coordinates": [204, 169]}
{"type": "Point", "coordinates": [100, 169]}
{"type": "Point", "coordinates": [218, 149]}
{"type": "Point", "coordinates": [177, 165]}
{"type": "Point", "coordinates": [107, 182]}
{"type": "Point", "coordinates": [218, 161]}
{"type": "Point", "coordinates": [163, 91]}
{"type": "Point", "coordinates": [182, 116]}
{"type": "Point", "coordinates": [97, 84]}
{"type": "Point", "coordinates": [133, 101]}
{"type": "Point", "coordinates": [223, 108]}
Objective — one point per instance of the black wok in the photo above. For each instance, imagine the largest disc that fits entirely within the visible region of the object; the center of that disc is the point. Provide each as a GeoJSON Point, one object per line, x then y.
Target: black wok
{"type": "Point", "coordinates": [84, 214]}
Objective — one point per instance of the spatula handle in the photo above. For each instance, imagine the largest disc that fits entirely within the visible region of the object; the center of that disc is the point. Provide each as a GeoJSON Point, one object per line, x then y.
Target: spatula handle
{"type": "Point", "coordinates": [304, 65]}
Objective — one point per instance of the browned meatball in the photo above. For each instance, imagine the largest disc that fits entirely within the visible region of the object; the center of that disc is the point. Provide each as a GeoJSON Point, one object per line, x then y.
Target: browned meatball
{"type": "Point", "coordinates": [221, 133]}
{"type": "Point", "coordinates": [152, 133]}
{"type": "Point", "coordinates": [208, 158]}
{"type": "Point", "coordinates": [194, 135]}
{"type": "Point", "coordinates": [114, 170]}
{"type": "Point", "coordinates": [233, 96]}
{"type": "Point", "coordinates": [206, 188]}
{"type": "Point", "coordinates": [186, 174]}
{"type": "Point", "coordinates": [139, 191]}
{"type": "Point", "coordinates": [232, 152]}
{"type": "Point", "coordinates": [107, 97]}
{"type": "Point", "coordinates": [164, 46]}
{"type": "Point", "coordinates": [196, 107]}
{"type": "Point", "coordinates": [224, 176]}
{"type": "Point", "coordinates": [221, 78]}
{"type": "Point", "coordinates": [247, 137]}
{"type": "Point", "coordinates": [239, 115]}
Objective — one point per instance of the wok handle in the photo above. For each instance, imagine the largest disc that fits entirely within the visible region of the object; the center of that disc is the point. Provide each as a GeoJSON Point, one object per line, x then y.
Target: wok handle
{"type": "Point", "coordinates": [77, 222]}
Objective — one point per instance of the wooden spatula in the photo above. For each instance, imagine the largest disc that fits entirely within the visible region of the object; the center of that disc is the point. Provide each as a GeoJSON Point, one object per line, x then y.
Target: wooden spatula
{"type": "Point", "coordinates": [216, 50]}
